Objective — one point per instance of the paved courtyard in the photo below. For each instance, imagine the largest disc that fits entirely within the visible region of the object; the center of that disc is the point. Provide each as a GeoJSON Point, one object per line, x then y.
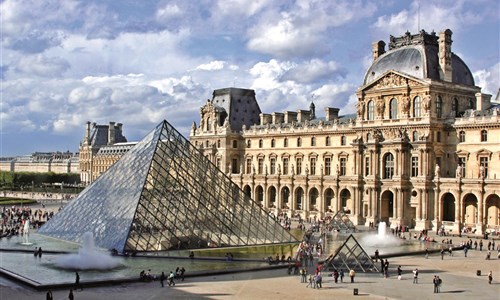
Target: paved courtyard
{"type": "Point", "coordinates": [458, 274]}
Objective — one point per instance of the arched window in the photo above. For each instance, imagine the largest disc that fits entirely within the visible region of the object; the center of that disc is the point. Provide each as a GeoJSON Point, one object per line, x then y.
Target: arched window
{"type": "Point", "coordinates": [370, 110]}
{"type": "Point", "coordinates": [454, 107]}
{"type": "Point", "coordinates": [415, 136]}
{"type": "Point", "coordinates": [388, 166]}
{"type": "Point", "coordinates": [417, 107]}
{"type": "Point", "coordinates": [439, 107]}
{"type": "Point", "coordinates": [461, 136]}
{"type": "Point", "coordinates": [471, 105]}
{"type": "Point", "coordinates": [313, 141]}
{"type": "Point", "coordinates": [484, 135]}
{"type": "Point", "coordinates": [393, 109]}
{"type": "Point", "coordinates": [343, 140]}
{"type": "Point", "coordinates": [327, 141]}
{"type": "Point", "coordinates": [299, 142]}
{"type": "Point", "coordinates": [273, 143]}
{"type": "Point", "coordinates": [249, 143]}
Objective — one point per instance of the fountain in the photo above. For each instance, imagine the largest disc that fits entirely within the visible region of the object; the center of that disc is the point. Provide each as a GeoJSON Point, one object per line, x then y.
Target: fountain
{"type": "Point", "coordinates": [26, 233]}
{"type": "Point", "coordinates": [88, 257]}
{"type": "Point", "coordinates": [381, 239]}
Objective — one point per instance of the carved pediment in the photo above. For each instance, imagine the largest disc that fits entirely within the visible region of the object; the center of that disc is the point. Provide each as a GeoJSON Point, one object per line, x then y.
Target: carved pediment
{"type": "Point", "coordinates": [392, 79]}
{"type": "Point", "coordinates": [484, 152]}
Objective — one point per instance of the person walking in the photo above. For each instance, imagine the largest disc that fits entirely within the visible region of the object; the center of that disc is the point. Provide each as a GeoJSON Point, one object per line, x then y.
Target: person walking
{"type": "Point", "coordinates": [352, 274]}
{"type": "Point", "coordinates": [341, 274]}
{"type": "Point", "coordinates": [481, 245]}
{"type": "Point", "coordinates": [490, 277]}
{"type": "Point", "coordinates": [426, 253]}
{"type": "Point", "coordinates": [465, 250]}
{"type": "Point", "coordinates": [77, 282]}
{"type": "Point", "coordinates": [376, 255]}
{"type": "Point", "coordinates": [171, 278]}
{"type": "Point", "coordinates": [442, 253]}
{"type": "Point", "coordinates": [415, 276]}
{"type": "Point", "coordinates": [71, 296]}
{"type": "Point", "coordinates": [49, 295]}
{"type": "Point", "coordinates": [436, 283]}
{"type": "Point", "coordinates": [162, 278]}
{"type": "Point", "coordinates": [400, 272]}
{"type": "Point", "coordinates": [439, 281]}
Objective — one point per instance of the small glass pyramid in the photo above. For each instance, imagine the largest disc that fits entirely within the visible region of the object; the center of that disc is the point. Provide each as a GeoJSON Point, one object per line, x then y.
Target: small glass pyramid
{"type": "Point", "coordinates": [341, 222]}
{"type": "Point", "coordinates": [165, 195]}
{"type": "Point", "coordinates": [350, 256]}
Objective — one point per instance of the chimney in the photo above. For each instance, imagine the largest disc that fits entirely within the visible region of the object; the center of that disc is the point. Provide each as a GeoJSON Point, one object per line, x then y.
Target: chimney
{"type": "Point", "coordinates": [111, 133]}
{"type": "Point", "coordinates": [445, 66]}
{"type": "Point", "coordinates": [378, 48]}
{"type": "Point", "coordinates": [86, 141]}
{"type": "Point", "coordinates": [331, 113]}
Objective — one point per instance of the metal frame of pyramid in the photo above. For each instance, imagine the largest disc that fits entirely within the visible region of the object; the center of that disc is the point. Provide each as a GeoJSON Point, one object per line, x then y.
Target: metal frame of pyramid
{"type": "Point", "coordinates": [163, 195]}
{"type": "Point", "coordinates": [350, 256]}
{"type": "Point", "coordinates": [340, 221]}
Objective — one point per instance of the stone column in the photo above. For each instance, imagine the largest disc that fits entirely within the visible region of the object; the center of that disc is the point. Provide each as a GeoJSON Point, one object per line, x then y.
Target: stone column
{"type": "Point", "coordinates": [419, 206]}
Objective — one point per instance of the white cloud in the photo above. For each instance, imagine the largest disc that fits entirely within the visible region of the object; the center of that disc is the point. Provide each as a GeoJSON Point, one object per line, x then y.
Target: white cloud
{"type": "Point", "coordinates": [241, 7]}
{"type": "Point", "coordinates": [168, 11]}
{"type": "Point", "coordinates": [488, 79]}
{"type": "Point", "coordinates": [43, 66]}
{"type": "Point", "coordinates": [212, 66]}
{"type": "Point", "coordinates": [313, 71]}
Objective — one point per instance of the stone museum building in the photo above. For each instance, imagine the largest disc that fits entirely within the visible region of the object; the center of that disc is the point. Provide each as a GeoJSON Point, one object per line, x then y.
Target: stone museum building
{"type": "Point", "coordinates": [422, 149]}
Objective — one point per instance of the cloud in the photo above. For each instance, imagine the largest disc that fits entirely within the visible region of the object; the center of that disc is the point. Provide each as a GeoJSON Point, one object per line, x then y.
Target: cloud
{"type": "Point", "coordinates": [42, 66]}
{"type": "Point", "coordinates": [488, 79]}
{"type": "Point", "coordinates": [314, 70]}
{"type": "Point", "coordinates": [211, 66]}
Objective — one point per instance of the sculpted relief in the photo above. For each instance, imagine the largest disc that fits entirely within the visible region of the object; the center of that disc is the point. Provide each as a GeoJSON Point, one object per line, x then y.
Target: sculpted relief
{"type": "Point", "coordinates": [394, 80]}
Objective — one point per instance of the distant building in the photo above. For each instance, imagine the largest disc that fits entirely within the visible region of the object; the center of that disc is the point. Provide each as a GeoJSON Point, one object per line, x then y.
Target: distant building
{"type": "Point", "coordinates": [101, 147]}
{"type": "Point", "coordinates": [38, 162]}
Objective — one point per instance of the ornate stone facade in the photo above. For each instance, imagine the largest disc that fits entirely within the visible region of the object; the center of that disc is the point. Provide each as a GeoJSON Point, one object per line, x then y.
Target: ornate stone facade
{"type": "Point", "coordinates": [419, 120]}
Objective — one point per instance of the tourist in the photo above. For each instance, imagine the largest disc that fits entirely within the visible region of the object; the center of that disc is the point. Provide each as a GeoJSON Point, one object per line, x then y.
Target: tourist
{"type": "Point", "coordinates": [490, 277]}
{"type": "Point", "coordinates": [162, 278]}
{"type": "Point", "coordinates": [182, 273]}
{"type": "Point", "coordinates": [439, 281]}
{"type": "Point", "coordinates": [171, 278]}
{"type": "Point", "coordinates": [442, 253]}
{"type": "Point", "coordinates": [70, 296]}
{"type": "Point", "coordinates": [311, 281]}
{"type": "Point", "coordinates": [436, 284]}
{"type": "Point", "coordinates": [39, 252]}
{"type": "Point", "coordinates": [465, 250]}
{"type": "Point", "coordinates": [400, 272]}
{"type": "Point", "coordinates": [335, 275]}
{"type": "Point", "coordinates": [341, 274]}
{"type": "Point", "coordinates": [426, 253]}
{"type": "Point", "coordinates": [319, 280]}
{"type": "Point", "coordinates": [77, 282]}
{"type": "Point", "coordinates": [376, 255]}
{"type": "Point", "coordinates": [191, 254]}
{"type": "Point", "coordinates": [49, 295]}
{"type": "Point", "coordinates": [415, 276]}
{"type": "Point", "coordinates": [481, 245]}
{"type": "Point", "coordinates": [475, 245]}
{"type": "Point", "coordinates": [352, 274]}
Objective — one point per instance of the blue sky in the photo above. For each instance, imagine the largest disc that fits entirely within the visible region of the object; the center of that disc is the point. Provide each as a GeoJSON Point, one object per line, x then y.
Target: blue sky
{"type": "Point", "coordinates": [66, 62]}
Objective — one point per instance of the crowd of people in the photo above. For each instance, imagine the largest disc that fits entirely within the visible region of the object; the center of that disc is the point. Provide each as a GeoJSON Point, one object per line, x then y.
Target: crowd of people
{"type": "Point", "coordinates": [179, 274]}
{"type": "Point", "coordinates": [13, 220]}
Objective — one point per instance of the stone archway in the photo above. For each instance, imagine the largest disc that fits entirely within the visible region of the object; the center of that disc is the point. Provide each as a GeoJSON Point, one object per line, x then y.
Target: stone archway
{"type": "Point", "coordinates": [259, 195]}
{"type": "Point", "coordinates": [448, 207]}
{"type": "Point", "coordinates": [386, 206]}
{"type": "Point", "coordinates": [470, 212]}
{"type": "Point", "coordinates": [492, 213]}
{"type": "Point", "coordinates": [328, 200]}
{"type": "Point", "coordinates": [272, 197]}
{"type": "Point", "coordinates": [299, 199]}
{"type": "Point", "coordinates": [247, 190]}
{"type": "Point", "coordinates": [285, 198]}
{"type": "Point", "coordinates": [345, 200]}
{"type": "Point", "coordinates": [313, 199]}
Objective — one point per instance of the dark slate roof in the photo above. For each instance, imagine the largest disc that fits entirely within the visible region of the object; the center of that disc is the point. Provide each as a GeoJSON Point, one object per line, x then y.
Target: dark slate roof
{"type": "Point", "coordinates": [99, 135]}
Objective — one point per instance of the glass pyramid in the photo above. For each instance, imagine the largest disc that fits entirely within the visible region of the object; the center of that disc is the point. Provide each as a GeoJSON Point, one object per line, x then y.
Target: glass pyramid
{"type": "Point", "coordinates": [341, 222]}
{"type": "Point", "coordinates": [350, 256]}
{"type": "Point", "coordinates": [165, 195]}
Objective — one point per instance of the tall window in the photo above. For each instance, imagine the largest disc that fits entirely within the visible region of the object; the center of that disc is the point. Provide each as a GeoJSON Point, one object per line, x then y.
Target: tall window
{"type": "Point", "coordinates": [285, 166]}
{"type": "Point", "coordinates": [249, 166]}
{"type": "Point", "coordinates": [343, 166]}
{"type": "Point", "coordinates": [415, 136]}
{"type": "Point", "coordinates": [327, 141]}
{"type": "Point", "coordinates": [209, 123]}
{"type": "Point", "coordinates": [261, 143]}
{"type": "Point", "coordinates": [313, 165]}
{"type": "Point", "coordinates": [299, 166]}
{"type": "Point", "coordinates": [370, 110]}
{"type": "Point", "coordinates": [235, 144]}
{"type": "Point", "coordinates": [273, 166]}
{"type": "Point", "coordinates": [285, 142]}
{"type": "Point", "coordinates": [343, 140]}
{"type": "Point", "coordinates": [439, 107]}
{"type": "Point", "coordinates": [313, 141]}
{"type": "Point", "coordinates": [367, 165]}
{"type": "Point", "coordinates": [417, 107]}
{"type": "Point", "coordinates": [393, 109]}
{"type": "Point", "coordinates": [218, 144]}
{"type": "Point", "coordinates": [261, 166]}
{"type": "Point", "coordinates": [217, 162]}
{"type": "Point", "coordinates": [462, 162]}
{"type": "Point", "coordinates": [388, 166]}
{"type": "Point", "coordinates": [234, 165]}
{"type": "Point", "coordinates": [461, 136]}
{"type": "Point", "coordinates": [470, 104]}
{"type": "Point", "coordinates": [484, 135]}
{"type": "Point", "coordinates": [454, 106]}
{"type": "Point", "coordinates": [414, 166]}
{"type": "Point", "coordinates": [299, 142]}
{"type": "Point", "coordinates": [328, 166]}
{"type": "Point", "coordinates": [483, 162]}
{"type": "Point", "coordinates": [438, 136]}
{"type": "Point", "coordinates": [249, 143]}
{"type": "Point", "coordinates": [273, 143]}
